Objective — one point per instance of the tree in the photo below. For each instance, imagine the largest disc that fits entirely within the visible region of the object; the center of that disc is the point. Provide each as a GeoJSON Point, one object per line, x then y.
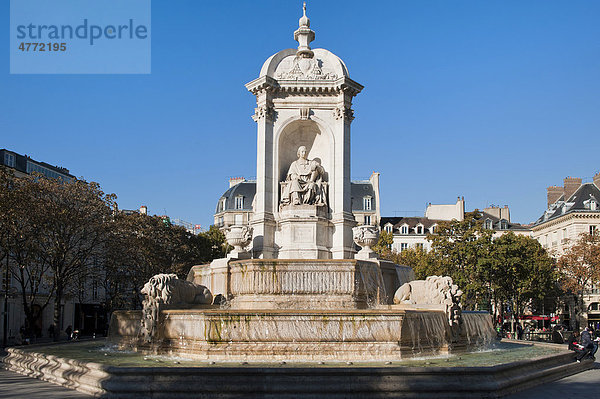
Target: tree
{"type": "Point", "coordinates": [579, 269]}
{"type": "Point", "coordinates": [462, 249]}
{"type": "Point", "coordinates": [73, 227]}
{"type": "Point", "coordinates": [518, 272]}
{"type": "Point", "coordinates": [141, 246]}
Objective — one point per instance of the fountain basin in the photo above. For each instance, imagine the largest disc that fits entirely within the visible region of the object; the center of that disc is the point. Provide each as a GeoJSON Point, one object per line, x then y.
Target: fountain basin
{"type": "Point", "coordinates": [301, 335]}
{"type": "Point", "coordinates": [77, 365]}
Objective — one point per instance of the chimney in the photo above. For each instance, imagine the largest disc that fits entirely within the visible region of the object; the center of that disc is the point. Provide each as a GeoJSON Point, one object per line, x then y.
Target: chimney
{"type": "Point", "coordinates": [597, 179]}
{"type": "Point", "coordinates": [143, 210]}
{"type": "Point", "coordinates": [571, 185]}
{"type": "Point", "coordinates": [235, 180]}
{"type": "Point", "coordinates": [554, 193]}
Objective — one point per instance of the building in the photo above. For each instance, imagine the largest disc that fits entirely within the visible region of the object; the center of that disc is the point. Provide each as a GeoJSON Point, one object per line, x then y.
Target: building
{"type": "Point", "coordinates": [236, 204]}
{"type": "Point", "coordinates": [572, 209]}
{"type": "Point", "coordinates": [83, 309]}
{"type": "Point", "coordinates": [411, 232]}
{"type": "Point", "coordinates": [23, 165]}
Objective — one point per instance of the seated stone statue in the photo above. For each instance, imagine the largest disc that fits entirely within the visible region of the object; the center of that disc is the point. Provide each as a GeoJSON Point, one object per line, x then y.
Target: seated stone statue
{"type": "Point", "coordinates": [304, 182]}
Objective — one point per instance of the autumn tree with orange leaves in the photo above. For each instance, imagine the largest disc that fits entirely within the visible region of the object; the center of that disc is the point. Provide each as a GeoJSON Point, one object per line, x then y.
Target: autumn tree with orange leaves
{"type": "Point", "coordinates": [579, 269]}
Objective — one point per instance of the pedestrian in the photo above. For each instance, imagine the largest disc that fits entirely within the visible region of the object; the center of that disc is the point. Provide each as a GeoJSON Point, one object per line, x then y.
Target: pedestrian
{"type": "Point", "coordinates": [69, 332]}
{"type": "Point", "coordinates": [586, 344]}
{"type": "Point", "coordinates": [519, 331]}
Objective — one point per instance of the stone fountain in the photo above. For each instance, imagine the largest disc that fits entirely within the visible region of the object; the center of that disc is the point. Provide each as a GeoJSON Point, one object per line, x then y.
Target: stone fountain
{"type": "Point", "coordinates": [294, 288]}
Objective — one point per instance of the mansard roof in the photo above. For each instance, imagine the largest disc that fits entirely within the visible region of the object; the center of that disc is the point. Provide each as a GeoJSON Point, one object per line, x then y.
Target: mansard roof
{"type": "Point", "coordinates": [578, 202]}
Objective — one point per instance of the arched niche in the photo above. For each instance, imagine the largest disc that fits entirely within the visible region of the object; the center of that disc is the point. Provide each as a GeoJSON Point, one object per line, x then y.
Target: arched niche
{"type": "Point", "coordinates": [306, 133]}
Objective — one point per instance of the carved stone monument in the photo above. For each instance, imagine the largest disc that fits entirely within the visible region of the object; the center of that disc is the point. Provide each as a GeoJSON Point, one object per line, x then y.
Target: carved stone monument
{"type": "Point", "coordinates": [303, 293]}
{"type": "Point", "coordinates": [303, 113]}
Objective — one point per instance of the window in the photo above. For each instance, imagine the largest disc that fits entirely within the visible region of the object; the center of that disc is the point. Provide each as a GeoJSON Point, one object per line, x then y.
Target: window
{"type": "Point", "coordinates": [592, 230]}
{"type": "Point", "coordinates": [488, 224]}
{"type": "Point", "coordinates": [419, 245]}
{"type": "Point", "coordinates": [9, 159]}
{"type": "Point", "coordinates": [593, 205]}
{"type": "Point", "coordinates": [404, 229]}
{"type": "Point", "coordinates": [367, 203]}
{"type": "Point", "coordinates": [94, 289]}
{"type": "Point", "coordinates": [222, 205]}
{"type": "Point", "coordinates": [367, 219]}
{"type": "Point", "coordinates": [221, 221]}
{"type": "Point", "coordinates": [503, 225]}
{"type": "Point", "coordinates": [388, 228]}
{"type": "Point", "coordinates": [239, 202]}
{"type": "Point", "coordinates": [403, 246]}
{"type": "Point", "coordinates": [238, 219]}
{"type": "Point", "coordinates": [433, 228]}
{"type": "Point", "coordinates": [419, 229]}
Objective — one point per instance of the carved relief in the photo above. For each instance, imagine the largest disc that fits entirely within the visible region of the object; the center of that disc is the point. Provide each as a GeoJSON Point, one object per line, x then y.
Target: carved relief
{"type": "Point", "coordinates": [304, 114]}
{"type": "Point", "coordinates": [264, 111]}
{"type": "Point", "coordinates": [343, 112]}
{"type": "Point", "coordinates": [306, 69]}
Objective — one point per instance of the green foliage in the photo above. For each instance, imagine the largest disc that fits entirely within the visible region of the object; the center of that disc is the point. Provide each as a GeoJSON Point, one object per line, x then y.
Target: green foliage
{"type": "Point", "coordinates": [461, 249]}
{"type": "Point", "coordinates": [492, 272]}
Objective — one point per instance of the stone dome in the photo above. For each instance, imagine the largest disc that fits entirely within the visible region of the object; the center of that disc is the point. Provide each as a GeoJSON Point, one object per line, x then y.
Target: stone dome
{"type": "Point", "coordinates": [281, 66]}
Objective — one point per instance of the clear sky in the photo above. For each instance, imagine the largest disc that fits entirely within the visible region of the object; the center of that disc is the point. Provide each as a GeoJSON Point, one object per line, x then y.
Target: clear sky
{"type": "Point", "coordinates": [490, 100]}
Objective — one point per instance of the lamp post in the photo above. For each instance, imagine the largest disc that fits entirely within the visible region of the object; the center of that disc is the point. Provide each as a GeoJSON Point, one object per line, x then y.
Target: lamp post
{"type": "Point", "coordinates": [5, 331]}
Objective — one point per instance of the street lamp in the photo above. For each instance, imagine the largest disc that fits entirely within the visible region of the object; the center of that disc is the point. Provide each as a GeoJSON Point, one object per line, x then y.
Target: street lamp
{"type": "Point", "coordinates": [5, 336]}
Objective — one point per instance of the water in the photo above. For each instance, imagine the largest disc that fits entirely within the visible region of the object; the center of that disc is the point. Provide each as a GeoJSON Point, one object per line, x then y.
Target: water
{"type": "Point", "coordinates": [100, 352]}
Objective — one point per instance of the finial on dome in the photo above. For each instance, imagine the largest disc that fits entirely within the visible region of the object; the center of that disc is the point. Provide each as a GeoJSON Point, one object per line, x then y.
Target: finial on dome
{"type": "Point", "coordinates": [304, 35]}
{"type": "Point", "coordinates": [304, 21]}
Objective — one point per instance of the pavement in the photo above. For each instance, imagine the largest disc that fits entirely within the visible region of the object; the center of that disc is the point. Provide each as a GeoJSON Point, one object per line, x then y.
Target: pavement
{"type": "Point", "coordinates": [583, 385]}
{"type": "Point", "coordinates": [16, 386]}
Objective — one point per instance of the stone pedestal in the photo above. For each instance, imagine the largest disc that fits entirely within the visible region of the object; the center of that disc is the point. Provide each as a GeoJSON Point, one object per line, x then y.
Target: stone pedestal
{"type": "Point", "coordinates": [305, 232]}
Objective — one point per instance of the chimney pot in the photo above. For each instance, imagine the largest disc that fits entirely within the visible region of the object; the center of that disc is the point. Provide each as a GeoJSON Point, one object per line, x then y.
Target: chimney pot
{"type": "Point", "coordinates": [571, 185]}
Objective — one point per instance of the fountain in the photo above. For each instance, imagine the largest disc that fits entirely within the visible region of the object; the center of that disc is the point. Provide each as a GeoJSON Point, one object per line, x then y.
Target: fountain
{"type": "Point", "coordinates": [294, 289]}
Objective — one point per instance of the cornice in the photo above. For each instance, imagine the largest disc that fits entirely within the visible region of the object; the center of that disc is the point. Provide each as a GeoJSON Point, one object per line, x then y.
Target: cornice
{"type": "Point", "coordinates": [564, 218]}
{"type": "Point", "coordinates": [343, 84]}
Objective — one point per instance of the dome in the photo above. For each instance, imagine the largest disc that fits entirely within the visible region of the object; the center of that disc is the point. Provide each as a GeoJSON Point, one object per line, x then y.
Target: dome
{"type": "Point", "coordinates": [282, 66]}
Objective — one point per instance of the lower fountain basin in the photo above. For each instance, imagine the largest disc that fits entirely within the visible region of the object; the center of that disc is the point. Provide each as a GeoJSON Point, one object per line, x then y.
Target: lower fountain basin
{"type": "Point", "coordinates": [93, 368]}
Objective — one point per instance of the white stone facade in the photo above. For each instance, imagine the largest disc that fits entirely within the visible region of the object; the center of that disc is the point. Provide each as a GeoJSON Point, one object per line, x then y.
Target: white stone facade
{"type": "Point", "coordinates": [304, 98]}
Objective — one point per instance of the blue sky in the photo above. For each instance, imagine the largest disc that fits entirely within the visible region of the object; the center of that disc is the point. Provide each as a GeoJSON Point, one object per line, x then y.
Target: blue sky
{"type": "Point", "coordinates": [490, 100]}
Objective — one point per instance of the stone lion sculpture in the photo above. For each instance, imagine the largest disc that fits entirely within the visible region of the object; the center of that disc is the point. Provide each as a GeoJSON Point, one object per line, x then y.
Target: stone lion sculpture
{"type": "Point", "coordinates": [434, 290]}
{"type": "Point", "coordinates": [168, 289]}
{"type": "Point", "coordinates": [164, 290]}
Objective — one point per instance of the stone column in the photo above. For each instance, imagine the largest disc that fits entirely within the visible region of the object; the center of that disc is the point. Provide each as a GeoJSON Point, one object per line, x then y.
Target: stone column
{"type": "Point", "coordinates": [263, 222]}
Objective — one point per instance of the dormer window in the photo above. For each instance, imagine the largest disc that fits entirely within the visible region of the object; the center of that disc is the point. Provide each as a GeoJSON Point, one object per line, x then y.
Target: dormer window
{"type": "Point", "coordinates": [367, 206]}
{"type": "Point", "coordinates": [503, 224]}
{"type": "Point", "coordinates": [420, 229]}
{"type": "Point", "coordinates": [9, 159]}
{"type": "Point", "coordinates": [433, 228]}
{"type": "Point", "coordinates": [591, 203]}
{"type": "Point", "coordinates": [488, 224]}
{"type": "Point", "coordinates": [388, 228]}
{"type": "Point", "coordinates": [404, 229]}
{"type": "Point", "coordinates": [239, 202]}
{"type": "Point", "coordinates": [222, 204]}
